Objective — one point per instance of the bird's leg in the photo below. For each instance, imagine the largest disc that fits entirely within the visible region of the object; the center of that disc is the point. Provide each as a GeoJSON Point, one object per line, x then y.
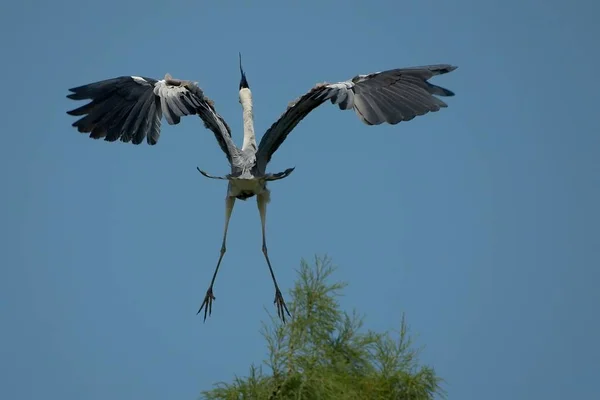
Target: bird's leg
{"type": "Point", "coordinates": [208, 299]}
{"type": "Point", "coordinates": [262, 200]}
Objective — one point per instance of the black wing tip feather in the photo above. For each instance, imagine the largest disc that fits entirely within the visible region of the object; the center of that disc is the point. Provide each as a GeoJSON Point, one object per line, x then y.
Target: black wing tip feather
{"type": "Point", "coordinates": [149, 140]}
{"type": "Point", "coordinates": [92, 90]}
{"type": "Point", "coordinates": [73, 112]}
{"type": "Point", "coordinates": [449, 68]}
{"type": "Point", "coordinates": [112, 114]}
{"type": "Point", "coordinates": [440, 91]}
{"type": "Point", "coordinates": [441, 69]}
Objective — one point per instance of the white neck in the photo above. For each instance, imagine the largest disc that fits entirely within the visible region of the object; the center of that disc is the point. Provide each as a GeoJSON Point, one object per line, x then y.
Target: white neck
{"type": "Point", "coordinates": [246, 100]}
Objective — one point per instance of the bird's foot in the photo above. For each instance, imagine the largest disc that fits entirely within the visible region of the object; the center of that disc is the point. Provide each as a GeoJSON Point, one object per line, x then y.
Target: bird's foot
{"type": "Point", "coordinates": [281, 307]}
{"type": "Point", "coordinates": [207, 303]}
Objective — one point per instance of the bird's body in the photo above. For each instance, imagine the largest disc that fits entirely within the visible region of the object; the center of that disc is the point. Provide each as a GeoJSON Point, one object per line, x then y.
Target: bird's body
{"type": "Point", "coordinates": [130, 108]}
{"type": "Point", "coordinates": [244, 188]}
{"type": "Point", "coordinates": [247, 186]}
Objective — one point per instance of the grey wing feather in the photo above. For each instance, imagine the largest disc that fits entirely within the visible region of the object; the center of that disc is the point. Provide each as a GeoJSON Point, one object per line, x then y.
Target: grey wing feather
{"type": "Point", "coordinates": [130, 108]}
{"type": "Point", "coordinates": [390, 96]}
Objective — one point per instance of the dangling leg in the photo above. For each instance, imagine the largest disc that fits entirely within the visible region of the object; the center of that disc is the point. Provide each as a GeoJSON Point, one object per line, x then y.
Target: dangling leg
{"type": "Point", "coordinates": [208, 299]}
{"type": "Point", "coordinates": [262, 200]}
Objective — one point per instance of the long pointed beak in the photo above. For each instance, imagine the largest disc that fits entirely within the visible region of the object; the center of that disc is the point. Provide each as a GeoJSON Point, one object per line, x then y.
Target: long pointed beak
{"type": "Point", "coordinates": [244, 81]}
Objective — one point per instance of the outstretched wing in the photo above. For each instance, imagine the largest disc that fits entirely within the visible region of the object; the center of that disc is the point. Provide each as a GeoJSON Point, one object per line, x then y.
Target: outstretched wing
{"type": "Point", "coordinates": [130, 108]}
{"type": "Point", "coordinates": [389, 96]}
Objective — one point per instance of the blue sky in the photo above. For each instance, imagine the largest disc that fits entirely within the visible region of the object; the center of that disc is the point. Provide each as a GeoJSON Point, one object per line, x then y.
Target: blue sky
{"type": "Point", "coordinates": [480, 222]}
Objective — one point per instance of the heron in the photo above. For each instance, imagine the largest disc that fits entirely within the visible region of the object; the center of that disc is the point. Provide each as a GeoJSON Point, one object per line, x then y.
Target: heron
{"type": "Point", "coordinates": [131, 108]}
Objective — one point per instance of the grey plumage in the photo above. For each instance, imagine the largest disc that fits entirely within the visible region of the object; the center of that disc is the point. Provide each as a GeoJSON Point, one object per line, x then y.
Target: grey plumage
{"type": "Point", "coordinates": [389, 96]}
{"type": "Point", "coordinates": [130, 109]}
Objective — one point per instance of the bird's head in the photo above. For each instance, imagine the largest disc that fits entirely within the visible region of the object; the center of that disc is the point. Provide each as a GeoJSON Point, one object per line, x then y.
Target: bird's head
{"type": "Point", "coordinates": [243, 81]}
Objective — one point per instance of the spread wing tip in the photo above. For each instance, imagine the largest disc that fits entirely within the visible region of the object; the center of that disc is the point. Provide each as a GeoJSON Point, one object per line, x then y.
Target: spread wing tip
{"type": "Point", "coordinates": [440, 70]}
{"type": "Point", "coordinates": [440, 91]}
{"type": "Point", "coordinates": [443, 68]}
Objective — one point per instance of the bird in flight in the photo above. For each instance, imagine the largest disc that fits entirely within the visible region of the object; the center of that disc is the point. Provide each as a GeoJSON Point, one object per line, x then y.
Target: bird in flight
{"type": "Point", "coordinates": [131, 108]}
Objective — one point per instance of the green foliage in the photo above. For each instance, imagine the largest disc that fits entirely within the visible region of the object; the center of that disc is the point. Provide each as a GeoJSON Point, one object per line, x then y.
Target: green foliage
{"type": "Point", "coordinates": [323, 353]}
